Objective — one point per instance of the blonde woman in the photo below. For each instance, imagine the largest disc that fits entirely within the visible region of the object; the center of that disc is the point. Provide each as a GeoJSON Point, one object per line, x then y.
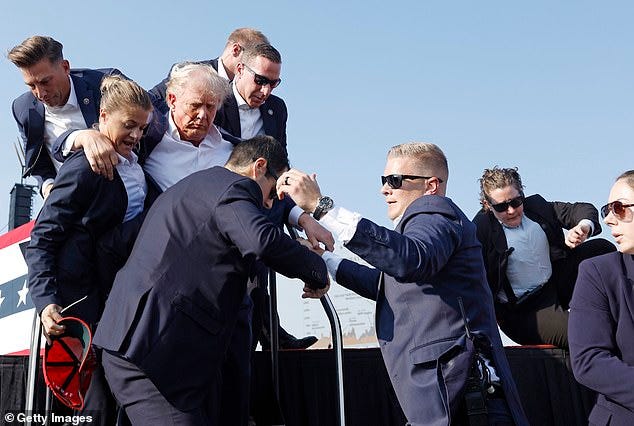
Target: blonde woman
{"type": "Point", "coordinates": [81, 207]}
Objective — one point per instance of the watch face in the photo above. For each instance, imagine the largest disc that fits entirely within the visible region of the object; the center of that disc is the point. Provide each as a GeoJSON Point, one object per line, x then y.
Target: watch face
{"type": "Point", "coordinates": [326, 203]}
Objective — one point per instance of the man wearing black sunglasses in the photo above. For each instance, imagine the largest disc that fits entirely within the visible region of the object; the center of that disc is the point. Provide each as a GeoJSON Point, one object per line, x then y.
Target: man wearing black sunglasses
{"type": "Point", "coordinates": [251, 109]}
{"type": "Point", "coordinates": [531, 267]}
{"type": "Point", "coordinates": [226, 64]}
{"type": "Point", "coordinates": [428, 282]}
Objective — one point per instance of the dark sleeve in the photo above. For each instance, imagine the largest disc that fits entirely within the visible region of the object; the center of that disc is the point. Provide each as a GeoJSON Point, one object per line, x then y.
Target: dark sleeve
{"type": "Point", "coordinates": [421, 251]}
{"type": "Point", "coordinates": [361, 279]}
{"type": "Point", "coordinates": [594, 354]}
{"type": "Point", "coordinates": [62, 211]}
{"type": "Point", "coordinates": [569, 214]}
{"type": "Point", "coordinates": [42, 167]}
{"type": "Point", "coordinates": [284, 113]}
{"type": "Point", "coordinates": [241, 220]}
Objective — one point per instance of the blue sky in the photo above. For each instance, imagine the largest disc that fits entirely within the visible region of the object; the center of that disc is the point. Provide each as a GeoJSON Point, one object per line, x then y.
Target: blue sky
{"type": "Point", "coordinates": [545, 86]}
{"type": "Point", "coordinates": [542, 86]}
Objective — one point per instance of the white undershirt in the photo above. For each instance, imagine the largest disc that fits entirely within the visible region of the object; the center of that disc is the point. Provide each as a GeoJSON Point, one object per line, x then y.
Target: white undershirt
{"type": "Point", "coordinates": [173, 158]}
{"type": "Point", "coordinates": [135, 186]}
{"type": "Point", "coordinates": [250, 118]}
{"type": "Point", "coordinates": [59, 119]}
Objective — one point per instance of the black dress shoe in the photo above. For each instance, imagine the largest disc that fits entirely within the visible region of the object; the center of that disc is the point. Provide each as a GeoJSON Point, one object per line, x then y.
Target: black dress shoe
{"type": "Point", "coordinates": [295, 343]}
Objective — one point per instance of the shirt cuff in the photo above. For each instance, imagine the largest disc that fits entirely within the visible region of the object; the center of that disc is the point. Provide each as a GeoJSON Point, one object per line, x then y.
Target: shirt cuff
{"type": "Point", "coordinates": [67, 146]}
{"type": "Point", "coordinates": [48, 181]}
{"type": "Point", "coordinates": [293, 216]}
{"type": "Point", "coordinates": [342, 223]}
{"type": "Point", "coordinates": [332, 263]}
{"type": "Point", "coordinates": [589, 223]}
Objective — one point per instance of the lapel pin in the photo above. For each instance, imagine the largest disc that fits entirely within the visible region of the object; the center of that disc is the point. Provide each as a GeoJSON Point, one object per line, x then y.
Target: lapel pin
{"type": "Point", "coordinates": [270, 111]}
{"type": "Point", "coordinates": [86, 101]}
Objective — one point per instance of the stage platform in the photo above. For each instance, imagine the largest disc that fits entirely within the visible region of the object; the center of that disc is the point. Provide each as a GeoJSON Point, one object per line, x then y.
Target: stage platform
{"type": "Point", "coordinates": [549, 393]}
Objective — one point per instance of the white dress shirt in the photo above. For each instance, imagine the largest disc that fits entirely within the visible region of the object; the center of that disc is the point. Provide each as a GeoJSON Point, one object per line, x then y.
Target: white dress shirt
{"type": "Point", "coordinates": [529, 264]}
{"type": "Point", "coordinates": [173, 158]}
{"type": "Point", "coordinates": [135, 186]}
{"type": "Point", "coordinates": [250, 118]}
{"type": "Point", "coordinates": [59, 119]}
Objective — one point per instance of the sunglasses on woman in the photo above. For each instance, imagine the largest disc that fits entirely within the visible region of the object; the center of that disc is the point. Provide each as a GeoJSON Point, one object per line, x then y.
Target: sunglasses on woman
{"type": "Point", "coordinates": [503, 206]}
{"type": "Point", "coordinates": [616, 207]}
{"type": "Point", "coordinates": [396, 181]}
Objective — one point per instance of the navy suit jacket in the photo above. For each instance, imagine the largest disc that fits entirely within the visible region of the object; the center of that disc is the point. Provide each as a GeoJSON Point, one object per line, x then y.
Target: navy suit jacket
{"type": "Point", "coordinates": [28, 112]}
{"type": "Point", "coordinates": [273, 111]}
{"type": "Point", "coordinates": [430, 262]}
{"type": "Point", "coordinates": [551, 216]}
{"type": "Point", "coordinates": [601, 335]}
{"type": "Point", "coordinates": [61, 255]}
{"type": "Point", "coordinates": [174, 304]}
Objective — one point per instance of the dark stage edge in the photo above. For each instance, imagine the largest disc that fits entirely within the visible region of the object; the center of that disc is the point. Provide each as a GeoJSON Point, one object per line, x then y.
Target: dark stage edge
{"type": "Point", "coordinates": [548, 391]}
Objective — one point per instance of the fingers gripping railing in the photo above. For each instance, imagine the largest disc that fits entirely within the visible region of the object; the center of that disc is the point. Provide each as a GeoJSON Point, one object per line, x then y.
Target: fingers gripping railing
{"type": "Point", "coordinates": [335, 328]}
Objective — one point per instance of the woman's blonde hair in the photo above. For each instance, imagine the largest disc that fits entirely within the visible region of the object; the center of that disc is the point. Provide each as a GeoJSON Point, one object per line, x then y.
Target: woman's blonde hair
{"type": "Point", "coordinates": [119, 93]}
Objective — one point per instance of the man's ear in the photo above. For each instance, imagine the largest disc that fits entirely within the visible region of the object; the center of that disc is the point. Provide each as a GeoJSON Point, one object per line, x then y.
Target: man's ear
{"type": "Point", "coordinates": [171, 99]}
{"type": "Point", "coordinates": [236, 50]}
{"type": "Point", "coordinates": [66, 65]}
{"type": "Point", "coordinates": [259, 167]}
{"type": "Point", "coordinates": [433, 186]}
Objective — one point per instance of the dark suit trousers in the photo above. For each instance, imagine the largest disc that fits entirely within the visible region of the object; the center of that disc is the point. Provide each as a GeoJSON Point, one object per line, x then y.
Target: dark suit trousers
{"type": "Point", "coordinates": [543, 317]}
{"type": "Point", "coordinates": [142, 401]}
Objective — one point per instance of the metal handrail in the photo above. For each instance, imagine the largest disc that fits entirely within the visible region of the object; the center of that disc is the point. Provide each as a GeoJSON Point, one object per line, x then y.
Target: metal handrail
{"type": "Point", "coordinates": [335, 328]}
{"type": "Point", "coordinates": [31, 375]}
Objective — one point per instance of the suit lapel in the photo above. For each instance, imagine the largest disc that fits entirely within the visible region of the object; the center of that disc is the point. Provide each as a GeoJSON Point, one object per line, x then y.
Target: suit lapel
{"type": "Point", "coordinates": [35, 133]}
{"type": "Point", "coordinates": [232, 116]}
{"type": "Point", "coordinates": [87, 100]}
{"type": "Point", "coordinates": [268, 120]}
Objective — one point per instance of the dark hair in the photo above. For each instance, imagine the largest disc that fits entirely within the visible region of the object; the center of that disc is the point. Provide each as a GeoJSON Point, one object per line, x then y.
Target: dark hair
{"type": "Point", "coordinates": [263, 49]}
{"type": "Point", "coordinates": [267, 147]}
{"type": "Point", "coordinates": [497, 178]}
{"type": "Point", "coordinates": [34, 49]}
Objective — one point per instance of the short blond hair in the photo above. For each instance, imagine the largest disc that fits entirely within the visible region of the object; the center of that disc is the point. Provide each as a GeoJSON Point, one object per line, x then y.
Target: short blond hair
{"type": "Point", "coordinates": [430, 156]}
{"type": "Point", "coordinates": [246, 37]}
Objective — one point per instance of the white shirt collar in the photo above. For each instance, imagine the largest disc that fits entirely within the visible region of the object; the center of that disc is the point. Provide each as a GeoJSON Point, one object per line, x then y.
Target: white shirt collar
{"type": "Point", "coordinates": [70, 103]}
{"type": "Point", "coordinates": [222, 72]}
{"type": "Point", "coordinates": [213, 137]}
{"type": "Point", "coordinates": [242, 104]}
{"type": "Point", "coordinates": [128, 162]}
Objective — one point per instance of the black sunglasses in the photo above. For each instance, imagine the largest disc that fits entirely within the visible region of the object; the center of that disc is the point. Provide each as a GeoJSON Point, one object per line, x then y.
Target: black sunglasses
{"type": "Point", "coordinates": [616, 207]}
{"type": "Point", "coordinates": [503, 206]}
{"type": "Point", "coordinates": [273, 193]}
{"type": "Point", "coordinates": [396, 181]}
{"type": "Point", "coordinates": [260, 80]}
